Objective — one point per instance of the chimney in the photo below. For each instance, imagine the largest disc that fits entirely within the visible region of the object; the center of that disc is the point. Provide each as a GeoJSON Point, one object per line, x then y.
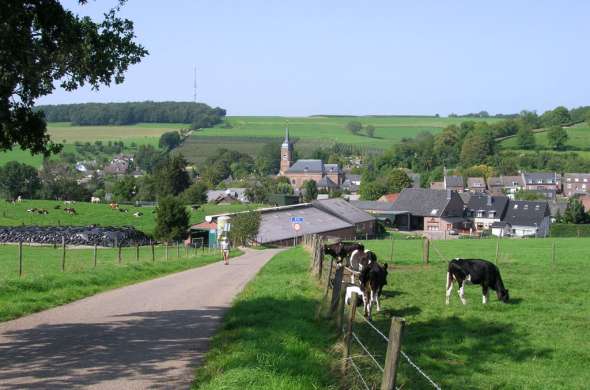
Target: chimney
{"type": "Point", "coordinates": [489, 203]}
{"type": "Point", "coordinates": [448, 194]}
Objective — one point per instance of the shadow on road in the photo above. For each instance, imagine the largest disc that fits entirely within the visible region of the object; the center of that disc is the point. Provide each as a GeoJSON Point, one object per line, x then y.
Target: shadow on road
{"type": "Point", "coordinates": [136, 345]}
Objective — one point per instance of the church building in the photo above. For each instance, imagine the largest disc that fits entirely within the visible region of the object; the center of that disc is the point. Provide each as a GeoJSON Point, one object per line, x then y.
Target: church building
{"type": "Point", "coordinates": [327, 176]}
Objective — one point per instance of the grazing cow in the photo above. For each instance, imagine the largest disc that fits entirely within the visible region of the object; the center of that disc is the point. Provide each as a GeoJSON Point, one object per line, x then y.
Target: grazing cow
{"type": "Point", "coordinates": [33, 210]}
{"type": "Point", "coordinates": [342, 250]}
{"type": "Point", "coordinates": [350, 290]}
{"type": "Point", "coordinates": [42, 211]}
{"type": "Point", "coordinates": [195, 207]}
{"type": "Point", "coordinates": [114, 206]}
{"type": "Point", "coordinates": [137, 214]}
{"type": "Point", "coordinates": [123, 210]}
{"type": "Point", "coordinates": [94, 199]}
{"type": "Point", "coordinates": [70, 210]}
{"type": "Point", "coordinates": [69, 202]}
{"type": "Point", "coordinates": [373, 278]}
{"type": "Point", "coordinates": [475, 271]}
{"type": "Point", "coordinates": [57, 207]}
{"type": "Point", "coordinates": [19, 199]}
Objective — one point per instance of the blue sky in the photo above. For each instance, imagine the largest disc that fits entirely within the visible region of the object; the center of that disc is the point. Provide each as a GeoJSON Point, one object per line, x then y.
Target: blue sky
{"type": "Point", "coordinates": [353, 57]}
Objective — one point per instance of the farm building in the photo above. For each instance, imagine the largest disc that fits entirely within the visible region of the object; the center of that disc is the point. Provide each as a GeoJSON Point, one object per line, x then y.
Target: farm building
{"type": "Point", "coordinates": [363, 222]}
{"type": "Point", "coordinates": [430, 210]}
{"type": "Point", "coordinates": [383, 211]}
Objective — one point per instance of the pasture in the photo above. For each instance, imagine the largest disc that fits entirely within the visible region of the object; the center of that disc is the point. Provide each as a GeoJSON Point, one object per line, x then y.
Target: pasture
{"type": "Point", "coordinates": [538, 340]}
{"type": "Point", "coordinates": [44, 284]}
{"type": "Point", "coordinates": [579, 138]}
{"type": "Point", "coordinates": [98, 214]}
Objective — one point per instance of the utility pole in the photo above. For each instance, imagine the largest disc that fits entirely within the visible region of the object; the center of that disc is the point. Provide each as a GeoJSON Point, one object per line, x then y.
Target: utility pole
{"type": "Point", "coordinates": [195, 85]}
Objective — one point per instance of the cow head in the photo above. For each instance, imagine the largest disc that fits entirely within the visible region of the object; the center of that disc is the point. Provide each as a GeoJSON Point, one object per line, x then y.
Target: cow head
{"type": "Point", "coordinates": [503, 295]}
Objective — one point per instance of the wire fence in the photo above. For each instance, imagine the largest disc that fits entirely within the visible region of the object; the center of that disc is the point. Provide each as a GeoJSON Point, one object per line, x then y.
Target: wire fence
{"type": "Point", "coordinates": [24, 260]}
{"type": "Point", "coordinates": [371, 359]}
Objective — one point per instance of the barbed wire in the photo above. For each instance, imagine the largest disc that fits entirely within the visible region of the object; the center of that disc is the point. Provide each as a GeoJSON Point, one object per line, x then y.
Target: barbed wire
{"type": "Point", "coordinates": [437, 387]}
{"type": "Point", "coordinates": [358, 372]}
{"type": "Point", "coordinates": [367, 352]}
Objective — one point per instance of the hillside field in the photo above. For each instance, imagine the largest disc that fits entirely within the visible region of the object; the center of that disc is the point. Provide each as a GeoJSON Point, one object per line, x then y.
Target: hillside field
{"type": "Point", "coordinates": [579, 138]}
{"type": "Point", "coordinates": [537, 341]}
{"type": "Point", "coordinates": [98, 214]}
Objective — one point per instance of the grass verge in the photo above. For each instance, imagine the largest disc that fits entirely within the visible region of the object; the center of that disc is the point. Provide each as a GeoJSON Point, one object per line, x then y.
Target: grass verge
{"type": "Point", "coordinates": [48, 287]}
{"type": "Point", "coordinates": [269, 338]}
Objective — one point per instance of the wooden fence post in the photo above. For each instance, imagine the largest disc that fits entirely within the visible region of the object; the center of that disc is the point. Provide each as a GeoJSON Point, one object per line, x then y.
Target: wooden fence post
{"type": "Point", "coordinates": [394, 347]}
{"type": "Point", "coordinates": [340, 308]}
{"type": "Point", "coordinates": [63, 254]}
{"type": "Point", "coordinates": [553, 253]}
{"type": "Point", "coordinates": [119, 257]}
{"type": "Point", "coordinates": [20, 258]}
{"type": "Point", "coordinates": [320, 264]}
{"type": "Point", "coordinates": [137, 252]}
{"type": "Point", "coordinates": [166, 249]}
{"type": "Point", "coordinates": [178, 249]}
{"type": "Point", "coordinates": [348, 335]}
{"type": "Point", "coordinates": [391, 255]}
{"type": "Point", "coordinates": [497, 249]}
{"type": "Point", "coordinates": [426, 250]}
{"type": "Point", "coordinates": [338, 275]}
{"type": "Point", "coordinates": [153, 252]}
{"type": "Point", "coordinates": [94, 255]}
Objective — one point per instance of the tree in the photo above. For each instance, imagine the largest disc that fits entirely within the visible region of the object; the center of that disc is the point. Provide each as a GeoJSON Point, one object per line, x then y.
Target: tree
{"type": "Point", "coordinates": [354, 127]}
{"type": "Point", "coordinates": [310, 190]}
{"type": "Point", "coordinates": [528, 195]}
{"type": "Point", "coordinates": [370, 130]}
{"type": "Point", "coordinates": [18, 179]}
{"type": "Point", "coordinates": [125, 189]}
{"type": "Point", "coordinates": [268, 159]}
{"type": "Point", "coordinates": [148, 158]}
{"type": "Point", "coordinates": [195, 194]}
{"type": "Point", "coordinates": [147, 188]}
{"type": "Point", "coordinates": [42, 44]}
{"type": "Point", "coordinates": [172, 177]}
{"type": "Point", "coordinates": [172, 219]}
{"type": "Point", "coordinates": [372, 190]}
{"type": "Point", "coordinates": [525, 138]}
{"type": "Point", "coordinates": [557, 137]}
{"type": "Point", "coordinates": [477, 146]}
{"type": "Point", "coordinates": [244, 227]}
{"type": "Point", "coordinates": [575, 213]}
{"type": "Point", "coordinates": [397, 180]}
{"type": "Point", "coordinates": [169, 140]}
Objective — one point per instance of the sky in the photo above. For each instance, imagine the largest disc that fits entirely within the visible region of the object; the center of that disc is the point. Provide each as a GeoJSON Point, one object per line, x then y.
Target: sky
{"type": "Point", "coordinates": [303, 57]}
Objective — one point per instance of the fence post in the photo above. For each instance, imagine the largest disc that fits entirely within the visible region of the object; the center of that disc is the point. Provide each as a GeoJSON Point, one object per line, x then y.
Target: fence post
{"type": "Point", "coordinates": [137, 252]}
{"type": "Point", "coordinates": [392, 241]}
{"type": "Point", "coordinates": [338, 275]}
{"type": "Point", "coordinates": [340, 318]}
{"type": "Point", "coordinates": [153, 251]}
{"type": "Point", "coordinates": [394, 347]}
{"type": "Point", "coordinates": [497, 249]}
{"type": "Point", "coordinates": [119, 257]}
{"type": "Point", "coordinates": [553, 253]}
{"type": "Point", "coordinates": [94, 255]}
{"type": "Point", "coordinates": [63, 254]}
{"type": "Point", "coordinates": [348, 335]}
{"type": "Point", "coordinates": [320, 264]}
{"type": "Point", "coordinates": [426, 250]}
{"type": "Point", "coordinates": [178, 249]}
{"type": "Point", "coordinates": [166, 249]}
{"type": "Point", "coordinates": [20, 258]}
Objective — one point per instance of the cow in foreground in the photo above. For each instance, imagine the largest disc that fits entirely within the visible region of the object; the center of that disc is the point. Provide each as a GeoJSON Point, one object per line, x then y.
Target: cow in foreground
{"type": "Point", "coordinates": [475, 271]}
{"type": "Point", "coordinates": [360, 259]}
{"type": "Point", "coordinates": [342, 250]}
{"type": "Point", "coordinates": [372, 278]}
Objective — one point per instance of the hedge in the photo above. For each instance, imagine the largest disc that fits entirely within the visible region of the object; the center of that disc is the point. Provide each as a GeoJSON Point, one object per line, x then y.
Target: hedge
{"type": "Point", "coordinates": [570, 230]}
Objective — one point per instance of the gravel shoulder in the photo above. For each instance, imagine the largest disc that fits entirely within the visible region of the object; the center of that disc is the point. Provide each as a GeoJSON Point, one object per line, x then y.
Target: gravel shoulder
{"type": "Point", "coordinates": [148, 335]}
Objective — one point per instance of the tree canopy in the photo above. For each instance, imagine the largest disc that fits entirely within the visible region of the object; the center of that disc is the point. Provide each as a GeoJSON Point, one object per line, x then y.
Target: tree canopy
{"type": "Point", "coordinates": [172, 219]}
{"type": "Point", "coordinates": [557, 137]}
{"type": "Point", "coordinates": [41, 44]}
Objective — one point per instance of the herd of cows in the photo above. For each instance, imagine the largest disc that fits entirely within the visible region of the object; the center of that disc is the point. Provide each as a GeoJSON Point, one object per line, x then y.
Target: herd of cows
{"type": "Point", "coordinates": [373, 276]}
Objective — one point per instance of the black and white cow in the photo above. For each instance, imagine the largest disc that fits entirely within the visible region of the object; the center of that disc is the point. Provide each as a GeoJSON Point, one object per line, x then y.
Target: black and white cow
{"type": "Point", "coordinates": [373, 277]}
{"type": "Point", "coordinates": [360, 259]}
{"type": "Point", "coordinates": [475, 271]}
{"type": "Point", "coordinates": [342, 250]}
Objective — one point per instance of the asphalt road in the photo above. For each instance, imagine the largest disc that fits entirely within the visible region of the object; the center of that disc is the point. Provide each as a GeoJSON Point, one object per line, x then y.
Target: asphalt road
{"type": "Point", "coordinates": [150, 335]}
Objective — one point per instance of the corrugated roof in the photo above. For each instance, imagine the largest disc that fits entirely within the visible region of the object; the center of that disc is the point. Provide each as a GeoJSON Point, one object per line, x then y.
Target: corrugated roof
{"type": "Point", "coordinates": [276, 226]}
{"type": "Point", "coordinates": [343, 209]}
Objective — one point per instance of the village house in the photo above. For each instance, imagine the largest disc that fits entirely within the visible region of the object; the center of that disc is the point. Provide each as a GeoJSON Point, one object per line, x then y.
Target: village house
{"type": "Point", "coordinates": [227, 196]}
{"type": "Point", "coordinates": [327, 176]}
{"type": "Point", "coordinates": [485, 209]}
{"type": "Point", "coordinates": [524, 219]}
{"type": "Point", "coordinates": [454, 183]}
{"type": "Point", "coordinates": [505, 185]}
{"type": "Point", "coordinates": [429, 210]}
{"type": "Point", "coordinates": [476, 184]}
{"type": "Point", "coordinates": [542, 181]}
{"type": "Point", "coordinates": [576, 183]}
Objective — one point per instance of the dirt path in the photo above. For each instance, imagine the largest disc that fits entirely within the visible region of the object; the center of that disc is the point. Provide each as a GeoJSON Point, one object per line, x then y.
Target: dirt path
{"type": "Point", "coordinates": [149, 335]}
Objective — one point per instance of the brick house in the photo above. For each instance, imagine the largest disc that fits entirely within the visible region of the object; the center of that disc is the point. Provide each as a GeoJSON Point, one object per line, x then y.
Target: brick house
{"type": "Point", "coordinates": [454, 183]}
{"type": "Point", "coordinates": [576, 183]}
{"type": "Point", "coordinates": [507, 185]}
{"type": "Point", "coordinates": [476, 184]}
{"type": "Point", "coordinates": [542, 181]}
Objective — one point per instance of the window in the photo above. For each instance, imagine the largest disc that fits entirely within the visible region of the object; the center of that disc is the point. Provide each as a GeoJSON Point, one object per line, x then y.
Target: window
{"type": "Point", "coordinates": [569, 179]}
{"type": "Point", "coordinates": [526, 207]}
{"type": "Point", "coordinates": [480, 214]}
{"type": "Point", "coordinates": [576, 180]}
{"type": "Point", "coordinates": [515, 206]}
{"type": "Point", "coordinates": [585, 180]}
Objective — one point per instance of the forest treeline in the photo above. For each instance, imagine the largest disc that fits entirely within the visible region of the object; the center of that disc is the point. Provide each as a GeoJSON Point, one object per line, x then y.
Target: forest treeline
{"type": "Point", "coordinates": [197, 115]}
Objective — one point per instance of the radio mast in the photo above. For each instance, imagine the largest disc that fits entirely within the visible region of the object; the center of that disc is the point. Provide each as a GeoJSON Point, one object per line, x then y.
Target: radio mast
{"type": "Point", "coordinates": [195, 85]}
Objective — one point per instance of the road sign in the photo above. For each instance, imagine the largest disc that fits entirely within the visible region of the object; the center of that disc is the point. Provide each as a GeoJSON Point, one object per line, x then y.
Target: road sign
{"type": "Point", "coordinates": [296, 219]}
{"type": "Point", "coordinates": [296, 226]}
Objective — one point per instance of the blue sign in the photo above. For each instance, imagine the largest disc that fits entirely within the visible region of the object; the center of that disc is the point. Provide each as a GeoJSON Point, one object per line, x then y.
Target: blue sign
{"type": "Point", "coordinates": [296, 219]}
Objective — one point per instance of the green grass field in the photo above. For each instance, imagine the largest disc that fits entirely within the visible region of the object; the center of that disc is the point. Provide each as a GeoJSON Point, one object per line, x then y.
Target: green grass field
{"type": "Point", "coordinates": [269, 338]}
{"type": "Point", "coordinates": [537, 341]}
{"type": "Point", "coordinates": [579, 138]}
{"type": "Point", "coordinates": [98, 214]}
{"type": "Point", "coordinates": [44, 285]}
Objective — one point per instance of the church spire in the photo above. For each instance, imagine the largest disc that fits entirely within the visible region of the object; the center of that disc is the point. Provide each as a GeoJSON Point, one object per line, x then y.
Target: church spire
{"type": "Point", "coordinates": [287, 132]}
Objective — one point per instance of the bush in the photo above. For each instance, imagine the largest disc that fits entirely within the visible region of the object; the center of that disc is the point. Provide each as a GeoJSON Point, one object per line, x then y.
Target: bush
{"type": "Point", "coordinates": [569, 230]}
{"type": "Point", "coordinates": [244, 227]}
{"type": "Point", "coordinates": [172, 219]}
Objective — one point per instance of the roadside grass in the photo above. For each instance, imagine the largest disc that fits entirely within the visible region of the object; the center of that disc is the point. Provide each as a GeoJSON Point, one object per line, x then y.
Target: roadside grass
{"type": "Point", "coordinates": [98, 214]}
{"type": "Point", "coordinates": [44, 285]}
{"type": "Point", "coordinates": [269, 338]}
{"type": "Point", "coordinates": [537, 341]}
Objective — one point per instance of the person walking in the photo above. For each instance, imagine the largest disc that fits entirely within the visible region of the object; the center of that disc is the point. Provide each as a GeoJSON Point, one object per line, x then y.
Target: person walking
{"type": "Point", "coordinates": [225, 250]}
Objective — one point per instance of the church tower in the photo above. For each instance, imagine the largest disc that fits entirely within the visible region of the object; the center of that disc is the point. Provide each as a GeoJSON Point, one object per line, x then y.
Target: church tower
{"type": "Point", "coordinates": [286, 153]}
